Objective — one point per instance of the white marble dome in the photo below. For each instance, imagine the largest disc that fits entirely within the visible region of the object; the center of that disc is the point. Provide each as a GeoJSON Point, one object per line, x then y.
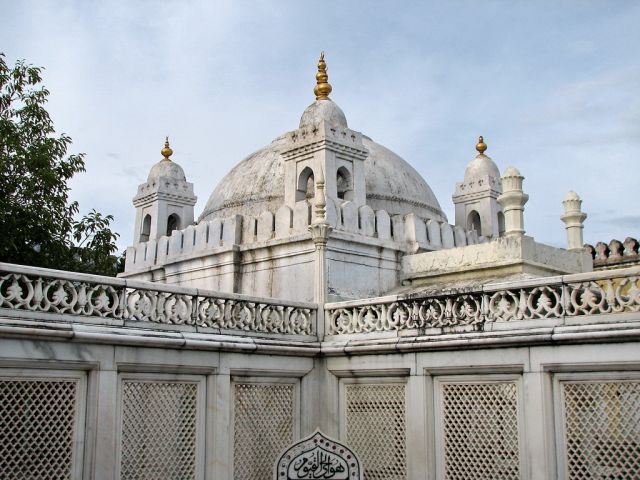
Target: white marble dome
{"type": "Point", "coordinates": [571, 195]}
{"type": "Point", "coordinates": [256, 184]}
{"type": "Point", "coordinates": [481, 166]}
{"type": "Point", "coordinates": [167, 169]}
{"type": "Point", "coordinates": [323, 110]}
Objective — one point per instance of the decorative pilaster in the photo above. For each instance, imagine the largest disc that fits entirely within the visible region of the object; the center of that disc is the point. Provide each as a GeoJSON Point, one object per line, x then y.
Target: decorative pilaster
{"type": "Point", "coordinates": [573, 219]}
{"type": "Point", "coordinates": [512, 201]}
{"type": "Point", "coordinates": [320, 231]}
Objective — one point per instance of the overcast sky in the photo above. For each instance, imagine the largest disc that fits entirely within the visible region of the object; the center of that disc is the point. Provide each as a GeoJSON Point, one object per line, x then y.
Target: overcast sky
{"type": "Point", "coordinates": [554, 87]}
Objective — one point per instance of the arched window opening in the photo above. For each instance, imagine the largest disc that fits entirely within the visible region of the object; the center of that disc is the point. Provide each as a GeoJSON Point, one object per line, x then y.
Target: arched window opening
{"type": "Point", "coordinates": [501, 224]}
{"type": "Point", "coordinates": [343, 182]}
{"type": "Point", "coordinates": [173, 223]}
{"type": "Point", "coordinates": [146, 228]}
{"type": "Point", "coordinates": [473, 222]}
{"type": "Point", "coordinates": [306, 185]}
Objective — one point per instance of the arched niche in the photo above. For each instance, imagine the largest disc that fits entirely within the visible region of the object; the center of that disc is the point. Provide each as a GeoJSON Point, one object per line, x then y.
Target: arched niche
{"type": "Point", "coordinates": [501, 227]}
{"type": "Point", "coordinates": [306, 185]}
{"type": "Point", "coordinates": [474, 222]}
{"type": "Point", "coordinates": [344, 184]}
{"type": "Point", "coordinates": [146, 228]}
{"type": "Point", "coordinates": [173, 223]}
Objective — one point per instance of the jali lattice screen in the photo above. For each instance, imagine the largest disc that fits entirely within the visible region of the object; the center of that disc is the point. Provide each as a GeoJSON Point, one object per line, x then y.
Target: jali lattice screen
{"type": "Point", "coordinates": [159, 426]}
{"type": "Point", "coordinates": [263, 427]}
{"type": "Point", "coordinates": [37, 428]}
{"type": "Point", "coordinates": [376, 429]}
{"type": "Point", "coordinates": [480, 431]}
{"type": "Point", "coordinates": [602, 429]}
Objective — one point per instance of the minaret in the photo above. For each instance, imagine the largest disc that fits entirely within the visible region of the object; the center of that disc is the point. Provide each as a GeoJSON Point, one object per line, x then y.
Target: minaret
{"type": "Point", "coordinates": [476, 196]}
{"type": "Point", "coordinates": [512, 201]}
{"type": "Point", "coordinates": [164, 202]}
{"type": "Point", "coordinates": [573, 219]}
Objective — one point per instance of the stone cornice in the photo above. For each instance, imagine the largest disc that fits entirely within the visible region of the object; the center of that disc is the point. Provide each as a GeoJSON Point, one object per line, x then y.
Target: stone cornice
{"type": "Point", "coordinates": [325, 144]}
{"type": "Point", "coordinates": [110, 335]}
{"type": "Point", "coordinates": [145, 199]}
{"type": "Point", "coordinates": [547, 332]}
{"type": "Point", "coordinates": [308, 140]}
{"type": "Point", "coordinates": [476, 195]}
{"type": "Point", "coordinates": [477, 189]}
{"type": "Point", "coordinates": [477, 339]}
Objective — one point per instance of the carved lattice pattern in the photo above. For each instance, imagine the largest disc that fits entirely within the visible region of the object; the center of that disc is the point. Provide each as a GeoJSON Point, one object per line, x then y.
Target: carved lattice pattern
{"type": "Point", "coordinates": [37, 429]}
{"type": "Point", "coordinates": [158, 430]}
{"type": "Point", "coordinates": [263, 427]}
{"type": "Point", "coordinates": [376, 429]}
{"type": "Point", "coordinates": [480, 431]}
{"type": "Point", "coordinates": [617, 294]}
{"type": "Point", "coordinates": [109, 298]}
{"type": "Point", "coordinates": [602, 429]}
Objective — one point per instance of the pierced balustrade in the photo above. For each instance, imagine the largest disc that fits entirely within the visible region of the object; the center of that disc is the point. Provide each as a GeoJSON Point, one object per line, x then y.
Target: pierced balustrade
{"type": "Point", "coordinates": [47, 291]}
{"type": "Point", "coordinates": [617, 293]}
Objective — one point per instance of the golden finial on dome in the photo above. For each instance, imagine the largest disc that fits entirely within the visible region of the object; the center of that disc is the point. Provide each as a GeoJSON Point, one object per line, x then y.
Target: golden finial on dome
{"type": "Point", "coordinates": [166, 151]}
{"type": "Point", "coordinates": [481, 146]}
{"type": "Point", "coordinates": [322, 88]}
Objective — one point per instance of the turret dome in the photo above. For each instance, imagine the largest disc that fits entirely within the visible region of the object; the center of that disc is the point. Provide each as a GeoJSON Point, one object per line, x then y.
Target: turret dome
{"type": "Point", "coordinates": [166, 167]}
{"type": "Point", "coordinates": [481, 165]}
{"type": "Point", "coordinates": [323, 110]}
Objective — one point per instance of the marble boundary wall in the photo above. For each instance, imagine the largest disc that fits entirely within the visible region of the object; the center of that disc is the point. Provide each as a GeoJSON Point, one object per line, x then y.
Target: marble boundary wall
{"type": "Point", "coordinates": [593, 352]}
{"type": "Point", "coordinates": [539, 374]}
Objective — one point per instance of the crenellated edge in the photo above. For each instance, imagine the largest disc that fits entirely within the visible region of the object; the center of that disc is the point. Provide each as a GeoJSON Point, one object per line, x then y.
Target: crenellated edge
{"type": "Point", "coordinates": [409, 233]}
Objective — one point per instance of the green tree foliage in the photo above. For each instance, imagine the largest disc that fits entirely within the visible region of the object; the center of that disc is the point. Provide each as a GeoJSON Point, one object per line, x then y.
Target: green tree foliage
{"type": "Point", "coordinates": [37, 225]}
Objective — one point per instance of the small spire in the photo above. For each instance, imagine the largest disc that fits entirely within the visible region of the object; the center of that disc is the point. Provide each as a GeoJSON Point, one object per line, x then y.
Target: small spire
{"type": "Point", "coordinates": [166, 151]}
{"type": "Point", "coordinates": [481, 146]}
{"type": "Point", "coordinates": [322, 88]}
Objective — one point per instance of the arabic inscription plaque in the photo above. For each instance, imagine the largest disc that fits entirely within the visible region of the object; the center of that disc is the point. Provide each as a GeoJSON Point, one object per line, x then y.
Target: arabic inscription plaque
{"type": "Point", "coordinates": [318, 457]}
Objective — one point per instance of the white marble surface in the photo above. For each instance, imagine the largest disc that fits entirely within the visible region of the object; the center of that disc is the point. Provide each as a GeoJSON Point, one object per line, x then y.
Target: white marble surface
{"type": "Point", "coordinates": [513, 254]}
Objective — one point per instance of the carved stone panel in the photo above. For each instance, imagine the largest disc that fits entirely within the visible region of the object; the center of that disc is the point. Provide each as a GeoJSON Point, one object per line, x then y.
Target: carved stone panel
{"type": "Point", "coordinates": [318, 457]}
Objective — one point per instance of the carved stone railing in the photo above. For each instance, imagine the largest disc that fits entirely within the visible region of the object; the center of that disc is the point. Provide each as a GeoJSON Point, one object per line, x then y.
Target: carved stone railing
{"type": "Point", "coordinates": [597, 293]}
{"type": "Point", "coordinates": [66, 293]}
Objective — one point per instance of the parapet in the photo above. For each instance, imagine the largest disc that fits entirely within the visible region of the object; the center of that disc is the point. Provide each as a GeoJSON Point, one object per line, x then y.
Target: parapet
{"type": "Point", "coordinates": [503, 257]}
{"type": "Point", "coordinates": [407, 233]}
{"type": "Point", "coordinates": [194, 240]}
{"type": "Point", "coordinates": [616, 254]}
